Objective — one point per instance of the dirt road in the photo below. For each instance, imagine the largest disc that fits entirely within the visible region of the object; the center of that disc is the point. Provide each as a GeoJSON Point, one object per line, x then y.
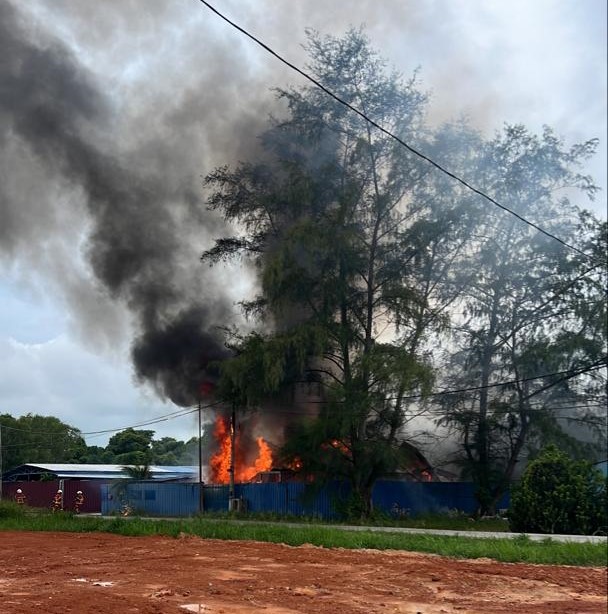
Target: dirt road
{"type": "Point", "coordinates": [55, 573]}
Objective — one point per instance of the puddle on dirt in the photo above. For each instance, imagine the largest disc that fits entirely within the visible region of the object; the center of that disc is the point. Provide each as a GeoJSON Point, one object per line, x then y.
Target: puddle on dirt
{"type": "Point", "coordinates": [198, 608]}
{"type": "Point", "coordinates": [96, 583]}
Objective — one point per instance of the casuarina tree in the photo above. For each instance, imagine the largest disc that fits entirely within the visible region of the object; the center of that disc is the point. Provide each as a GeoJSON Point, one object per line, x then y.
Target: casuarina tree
{"type": "Point", "coordinates": [340, 246]}
{"type": "Point", "coordinates": [532, 313]}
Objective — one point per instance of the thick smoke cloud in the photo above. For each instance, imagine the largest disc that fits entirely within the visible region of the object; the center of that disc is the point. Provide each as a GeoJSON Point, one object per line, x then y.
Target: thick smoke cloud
{"type": "Point", "coordinates": [110, 112]}
{"type": "Point", "coordinates": [142, 216]}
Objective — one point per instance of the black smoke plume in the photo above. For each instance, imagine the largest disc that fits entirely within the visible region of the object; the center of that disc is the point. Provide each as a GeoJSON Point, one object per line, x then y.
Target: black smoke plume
{"type": "Point", "coordinates": [146, 221]}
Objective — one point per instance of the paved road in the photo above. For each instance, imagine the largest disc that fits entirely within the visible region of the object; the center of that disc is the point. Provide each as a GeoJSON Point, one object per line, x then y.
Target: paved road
{"type": "Point", "coordinates": [597, 539]}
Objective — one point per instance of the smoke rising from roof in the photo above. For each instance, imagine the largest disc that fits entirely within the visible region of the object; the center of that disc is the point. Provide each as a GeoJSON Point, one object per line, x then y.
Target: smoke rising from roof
{"type": "Point", "coordinates": [111, 112]}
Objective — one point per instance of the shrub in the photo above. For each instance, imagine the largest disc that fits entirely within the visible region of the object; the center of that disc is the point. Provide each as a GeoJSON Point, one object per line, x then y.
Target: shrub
{"type": "Point", "coordinates": [9, 509]}
{"type": "Point", "coordinates": [559, 495]}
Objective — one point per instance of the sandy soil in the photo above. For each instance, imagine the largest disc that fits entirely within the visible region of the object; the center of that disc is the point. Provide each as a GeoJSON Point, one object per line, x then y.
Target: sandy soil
{"type": "Point", "coordinates": [56, 573]}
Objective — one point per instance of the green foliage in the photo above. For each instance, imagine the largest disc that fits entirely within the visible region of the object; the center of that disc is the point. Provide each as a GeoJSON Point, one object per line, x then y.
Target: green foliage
{"type": "Point", "coordinates": [509, 550]}
{"type": "Point", "coordinates": [131, 447]}
{"type": "Point", "coordinates": [133, 473]}
{"type": "Point", "coordinates": [39, 439]}
{"type": "Point", "coordinates": [263, 365]}
{"type": "Point", "coordinates": [10, 509]}
{"type": "Point", "coordinates": [354, 508]}
{"type": "Point", "coordinates": [530, 308]}
{"type": "Point", "coordinates": [331, 221]}
{"type": "Point", "coordinates": [559, 495]}
{"type": "Point", "coordinates": [45, 439]}
{"type": "Point", "coordinates": [137, 472]}
{"type": "Point", "coordinates": [167, 451]}
{"type": "Point", "coordinates": [97, 455]}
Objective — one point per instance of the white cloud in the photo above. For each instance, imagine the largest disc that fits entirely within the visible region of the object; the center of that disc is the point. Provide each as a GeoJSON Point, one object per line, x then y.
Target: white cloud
{"type": "Point", "coordinates": [85, 390]}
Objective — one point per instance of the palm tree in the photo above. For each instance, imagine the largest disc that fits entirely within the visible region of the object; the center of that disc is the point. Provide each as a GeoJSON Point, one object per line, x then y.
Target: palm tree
{"type": "Point", "coordinates": [133, 473]}
{"type": "Point", "coordinates": [137, 472]}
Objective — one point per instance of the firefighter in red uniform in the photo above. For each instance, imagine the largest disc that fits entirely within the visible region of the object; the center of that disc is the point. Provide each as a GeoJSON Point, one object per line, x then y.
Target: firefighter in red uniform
{"type": "Point", "coordinates": [20, 497]}
{"type": "Point", "coordinates": [57, 503]}
{"type": "Point", "coordinates": [78, 501]}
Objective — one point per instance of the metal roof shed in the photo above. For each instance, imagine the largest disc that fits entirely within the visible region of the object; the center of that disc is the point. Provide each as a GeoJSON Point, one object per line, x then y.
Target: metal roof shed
{"type": "Point", "coordinates": [66, 471]}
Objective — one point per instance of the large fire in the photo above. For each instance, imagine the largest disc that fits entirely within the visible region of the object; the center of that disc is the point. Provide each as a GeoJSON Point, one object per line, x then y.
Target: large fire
{"type": "Point", "coordinates": [245, 468]}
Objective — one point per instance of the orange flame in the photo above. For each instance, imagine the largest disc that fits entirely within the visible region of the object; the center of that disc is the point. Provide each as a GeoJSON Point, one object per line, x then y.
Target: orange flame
{"type": "Point", "coordinates": [220, 461]}
{"type": "Point", "coordinates": [245, 470]}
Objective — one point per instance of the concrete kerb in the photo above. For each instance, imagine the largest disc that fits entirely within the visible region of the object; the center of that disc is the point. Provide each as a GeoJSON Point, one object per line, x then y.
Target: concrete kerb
{"type": "Point", "coordinates": [537, 537]}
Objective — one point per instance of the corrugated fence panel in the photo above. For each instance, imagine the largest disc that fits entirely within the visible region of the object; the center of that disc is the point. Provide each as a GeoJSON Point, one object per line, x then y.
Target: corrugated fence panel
{"type": "Point", "coordinates": [148, 497]}
{"type": "Point", "coordinates": [40, 494]}
{"type": "Point", "coordinates": [411, 498]}
{"type": "Point", "coordinates": [397, 498]}
{"type": "Point", "coordinates": [215, 497]}
{"type": "Point", "coordinates": [292, 498]}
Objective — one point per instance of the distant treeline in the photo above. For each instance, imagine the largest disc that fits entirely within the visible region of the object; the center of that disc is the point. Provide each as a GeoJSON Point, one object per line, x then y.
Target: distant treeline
{"type": "Point", "coordinates": [46, 439]}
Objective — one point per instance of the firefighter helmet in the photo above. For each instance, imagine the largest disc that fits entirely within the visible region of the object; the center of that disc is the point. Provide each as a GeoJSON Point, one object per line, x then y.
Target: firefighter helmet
{"type": "Point", "coordinates": [19, 491]}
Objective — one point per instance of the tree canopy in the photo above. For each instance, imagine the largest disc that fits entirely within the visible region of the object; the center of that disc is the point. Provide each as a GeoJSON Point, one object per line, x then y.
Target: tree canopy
{"type": "Point", "coordinates": [38, 439]}
{"type": "Point", "coordinates": [342, 248]}
{"type": "Point", "coordinates": [45, 439]}
{"type": "Point", "coordinates": [369, 262]}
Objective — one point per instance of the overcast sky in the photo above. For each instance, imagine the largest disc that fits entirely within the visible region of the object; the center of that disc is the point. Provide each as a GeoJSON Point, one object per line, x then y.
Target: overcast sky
{"type": "Point", "coordinates": [110, 113]}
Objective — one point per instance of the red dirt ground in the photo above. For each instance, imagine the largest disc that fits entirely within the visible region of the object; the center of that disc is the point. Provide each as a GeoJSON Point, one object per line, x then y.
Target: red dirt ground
{"type": "Point", "coordinates": [54, 573]}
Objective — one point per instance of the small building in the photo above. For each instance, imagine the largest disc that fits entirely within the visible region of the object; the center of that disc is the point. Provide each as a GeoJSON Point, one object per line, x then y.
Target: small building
{"type": "Point", "coordinates": [40, 481]}
{"type": "Point", "coordinates": [35, 472]}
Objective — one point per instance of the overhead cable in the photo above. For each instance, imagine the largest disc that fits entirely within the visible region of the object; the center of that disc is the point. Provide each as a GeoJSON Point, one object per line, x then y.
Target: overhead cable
{"type": "Point", "coordinates": [569, 373]}
{"type": "Point", "coordinates": [77, 433]}
{"type": "Point", "coordinates": [390, 134]}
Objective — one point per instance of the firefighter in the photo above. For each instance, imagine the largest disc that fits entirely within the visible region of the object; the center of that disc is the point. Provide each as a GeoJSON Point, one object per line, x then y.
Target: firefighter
{"type": "Point", "coordinates": [20, 497]}
{"type": "Point", "coordinates": [57, 503]}
{"type": "Point", "coordinates": [78, 501]}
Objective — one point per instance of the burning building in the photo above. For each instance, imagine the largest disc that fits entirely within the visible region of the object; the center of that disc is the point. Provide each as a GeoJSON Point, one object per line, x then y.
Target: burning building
{"type": "Point", "coordinates": [249, 458]}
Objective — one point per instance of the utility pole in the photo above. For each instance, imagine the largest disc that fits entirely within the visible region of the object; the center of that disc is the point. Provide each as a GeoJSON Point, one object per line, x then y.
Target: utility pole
{"type": "Point", "coordinates": [232, 449]}
{"type": "Point", "coordinates": [1, 462]}
{"type": "Point", "coordinates": [201, 506]}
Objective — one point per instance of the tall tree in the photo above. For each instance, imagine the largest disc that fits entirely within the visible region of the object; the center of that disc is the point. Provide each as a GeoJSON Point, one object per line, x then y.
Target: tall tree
{"type": "Point", "coordinates": [131, 447]}
{"type": "Point", "coordinates": [166, 451]}
{"type": "Point", "coordinates": [39, 439]}
{"type": "Point", "coordinates": [352, 266]}
{"type": "Point", "coordinates": [533, 308]}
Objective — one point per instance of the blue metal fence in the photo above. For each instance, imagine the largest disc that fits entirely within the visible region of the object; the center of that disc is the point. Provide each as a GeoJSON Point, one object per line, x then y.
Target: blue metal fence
{"type": "Point", "coordinates": [413, 498]}
{"type": "Point", "coordinates": [293, 498]}
{"type": "Point", "coordinates": [150, 497]}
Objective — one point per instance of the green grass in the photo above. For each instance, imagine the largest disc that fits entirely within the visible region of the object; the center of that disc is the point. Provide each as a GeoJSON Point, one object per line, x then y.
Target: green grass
{"type": "Point", "coordinates": [516, 550]}
{"type": "Point", "coordinates": [456, 522]}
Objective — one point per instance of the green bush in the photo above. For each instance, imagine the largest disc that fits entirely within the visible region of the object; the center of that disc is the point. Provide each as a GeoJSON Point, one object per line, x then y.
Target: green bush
{"type": "Point", "coordinates": [559, 495]}
{"type": "Point", "coordinates": [9, 509]}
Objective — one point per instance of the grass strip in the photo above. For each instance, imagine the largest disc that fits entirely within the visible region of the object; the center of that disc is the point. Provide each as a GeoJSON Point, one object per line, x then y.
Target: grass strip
{"type": "Point", "coordinates": [454, 522]}
{"type": "Point", "coordinates": [518, 550]}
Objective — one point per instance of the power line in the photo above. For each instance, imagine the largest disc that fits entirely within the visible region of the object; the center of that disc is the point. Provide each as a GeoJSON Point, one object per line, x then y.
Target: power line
{"type": "Point", "coordinates": [147, 423]}
{"type": "Point", "coordinates": [600, 364]}
{"type": "Point", "coordinates": [390, 134]}
{"type": "Point", "coordinates": [568, 372]}
{"type": "Point", "coordinates": [172, 416]}
{"type": "Point", "coordinates": [186, 411]}
{"type": "Point", "coordinates": [426, 413]}
{"type": "Point", "coordinates": [77, 433]}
